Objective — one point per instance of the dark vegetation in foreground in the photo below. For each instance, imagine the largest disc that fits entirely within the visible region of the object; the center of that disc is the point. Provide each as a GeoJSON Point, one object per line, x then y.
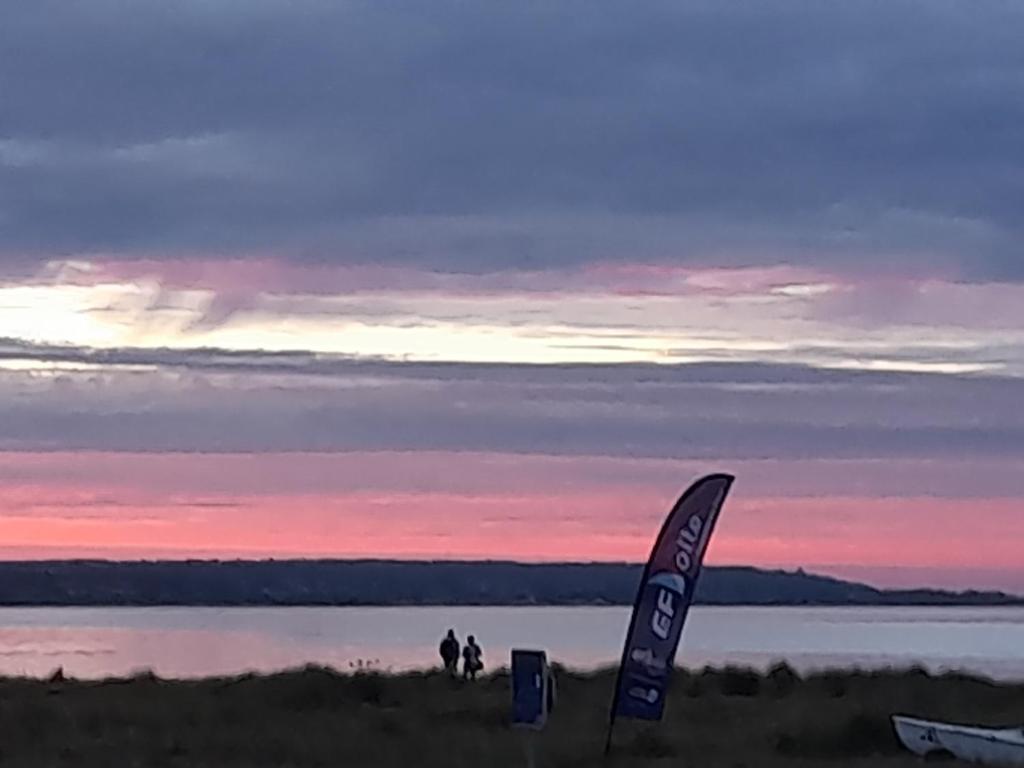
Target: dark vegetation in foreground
{"type": "Point", "coordinates": [317, 717]}
{"type": "Point", "coordinates": [390, 582]}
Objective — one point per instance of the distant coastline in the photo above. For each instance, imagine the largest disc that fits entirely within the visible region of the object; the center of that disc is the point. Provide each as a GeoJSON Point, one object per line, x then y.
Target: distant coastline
{"type": "Point", "coordinates": [426, 583]}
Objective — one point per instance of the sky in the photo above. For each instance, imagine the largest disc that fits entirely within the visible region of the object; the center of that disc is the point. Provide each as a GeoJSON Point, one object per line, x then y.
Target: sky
{"type": "Point", "coordinates": [452, 280]}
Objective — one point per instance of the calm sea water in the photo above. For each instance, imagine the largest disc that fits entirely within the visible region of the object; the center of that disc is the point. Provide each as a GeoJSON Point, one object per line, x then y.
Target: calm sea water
{"type": "Point", "coordinates": [191, 642]}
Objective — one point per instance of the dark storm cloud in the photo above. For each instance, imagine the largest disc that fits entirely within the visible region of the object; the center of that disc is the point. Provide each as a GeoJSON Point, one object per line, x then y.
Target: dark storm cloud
{"type": "Point", "coordinates": [210, 400]}
{"type": "Point", "coordinates": [480, 137]}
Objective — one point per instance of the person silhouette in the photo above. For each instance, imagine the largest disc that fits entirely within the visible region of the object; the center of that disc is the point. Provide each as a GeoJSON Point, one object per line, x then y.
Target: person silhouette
{"type": "Point", "coordinates": [472, 659]}
{"type": "Point", "coordinates": [449, 650]}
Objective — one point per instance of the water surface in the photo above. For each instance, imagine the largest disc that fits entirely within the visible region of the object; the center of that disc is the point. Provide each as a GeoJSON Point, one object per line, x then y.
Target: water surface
{"type": "Point", "coordinates": [193, 642]}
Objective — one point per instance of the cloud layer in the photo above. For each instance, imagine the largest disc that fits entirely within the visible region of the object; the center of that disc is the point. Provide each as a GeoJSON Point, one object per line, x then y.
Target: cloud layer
{"type": "Point", "coordinates": [214, 400]}
{"type": "Point", "coordinates": [869, 137]}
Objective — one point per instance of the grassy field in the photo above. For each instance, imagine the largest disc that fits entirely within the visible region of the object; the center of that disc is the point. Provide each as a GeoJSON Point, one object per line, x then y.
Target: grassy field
{"type": "Point", "coordinates": [317, 717]}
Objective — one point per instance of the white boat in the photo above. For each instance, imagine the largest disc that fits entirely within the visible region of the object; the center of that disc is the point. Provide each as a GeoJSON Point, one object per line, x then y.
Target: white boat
{"type": "Point", "coordinates": [990, 746]}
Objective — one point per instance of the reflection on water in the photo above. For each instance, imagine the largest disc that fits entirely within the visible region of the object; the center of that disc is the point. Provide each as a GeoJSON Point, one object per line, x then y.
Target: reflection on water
{"type": "Point", "coordinates": [192, 642]}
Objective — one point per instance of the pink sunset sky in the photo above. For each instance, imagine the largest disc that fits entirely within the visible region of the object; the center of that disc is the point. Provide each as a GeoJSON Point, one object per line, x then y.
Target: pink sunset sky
{"type": "Point", "coordinates": [450, 283]}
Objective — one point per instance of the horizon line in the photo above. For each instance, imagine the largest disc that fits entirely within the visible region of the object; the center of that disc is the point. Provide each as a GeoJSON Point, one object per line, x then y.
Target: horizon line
{"type": "Point", "coordinates": [794, 570]}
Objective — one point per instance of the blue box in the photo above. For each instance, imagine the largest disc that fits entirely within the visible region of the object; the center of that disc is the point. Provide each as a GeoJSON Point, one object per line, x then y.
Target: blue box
{"type": "Point", "coordinates": [530, 688]}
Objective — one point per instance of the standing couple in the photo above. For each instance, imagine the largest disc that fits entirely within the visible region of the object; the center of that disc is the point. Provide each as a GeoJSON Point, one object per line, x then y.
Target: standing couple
{"type": "Point", "coordinates": [472, 656]}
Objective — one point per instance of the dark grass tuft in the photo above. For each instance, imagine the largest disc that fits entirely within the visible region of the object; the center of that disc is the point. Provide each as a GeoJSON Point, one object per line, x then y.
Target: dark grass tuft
{"type": "Point", "coordinates": [861, 734]}
{"type": "Point", "coordinates": [781, 680]}
{"type": "Point", "coordinates": [651, 743]}
{"type": "Point", "coordinates": [733, 681]}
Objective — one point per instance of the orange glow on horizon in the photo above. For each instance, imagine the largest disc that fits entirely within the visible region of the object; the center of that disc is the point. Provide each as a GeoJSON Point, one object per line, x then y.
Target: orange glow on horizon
{"type": "Point", "coordinates": [506, 507]}
{"type": "Point", "coordinates": [576, 525]}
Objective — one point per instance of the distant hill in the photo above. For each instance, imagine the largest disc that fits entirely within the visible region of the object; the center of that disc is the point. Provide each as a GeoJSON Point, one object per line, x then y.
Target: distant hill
{"type": "Point", "coordinates": [389, 582]}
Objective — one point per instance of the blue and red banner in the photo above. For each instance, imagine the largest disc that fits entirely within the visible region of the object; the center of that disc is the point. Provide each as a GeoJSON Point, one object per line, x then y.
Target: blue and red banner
{"type": "Point", "coordinates": [663, 600]}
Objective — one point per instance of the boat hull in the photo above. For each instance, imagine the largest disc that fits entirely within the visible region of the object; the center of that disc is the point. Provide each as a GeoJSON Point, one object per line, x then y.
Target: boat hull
{"type": "Point", "coordinates": [989, 746]}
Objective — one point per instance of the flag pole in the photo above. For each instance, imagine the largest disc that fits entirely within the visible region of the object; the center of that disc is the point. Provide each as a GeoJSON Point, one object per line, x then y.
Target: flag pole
{"type": "Point", "coordinates": [632, 621]}
{"type": "Point", "coordinates": [705, 534]}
